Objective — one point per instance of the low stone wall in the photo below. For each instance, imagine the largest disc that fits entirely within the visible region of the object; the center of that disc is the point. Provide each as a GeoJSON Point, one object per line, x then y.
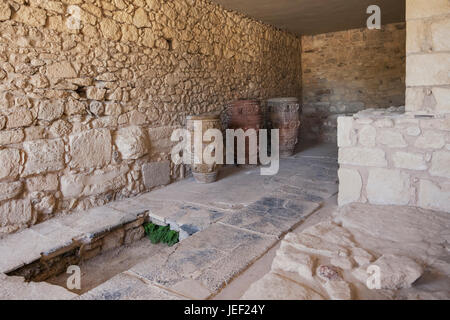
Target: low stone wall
{"type": "Point", "coordinates": [86, 114]}
{"type": "Point", "coordinates": [349, 71]}
{"type": "Point", "coordinates": [387, 157]}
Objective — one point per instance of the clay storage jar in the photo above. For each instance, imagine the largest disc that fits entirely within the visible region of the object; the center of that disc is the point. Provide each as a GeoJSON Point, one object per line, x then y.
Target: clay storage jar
{"type": "Point", "coordinates": [204, 173]}
{"type": "Point", "coordinates": [284, 114]}
{"type": "Point", "coordinates": [245, 115]}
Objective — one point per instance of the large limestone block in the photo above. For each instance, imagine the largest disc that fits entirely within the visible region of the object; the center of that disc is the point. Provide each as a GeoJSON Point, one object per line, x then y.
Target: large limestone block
{"type": "Point", "coordinates": [10, 161]}
{"type": "Point", "coordinates": [156, 174]}
{"type": "Point", "coordinates": [15, 212]}
{"type": "Point", "coordinates": [408, 160]}
{"type": "Point", "coordinates": [132, 142]}
{"type": "Point", "coordinates": [439, 34]}
{"type": "Point", "coordinates": [60, 70]}
{"type": "Point", "coordinates": [350, 186]}
{"type": "Point", "coordinates": [43, 156]}
{"type": "Point", "coordinates": [5, 11]}
{"type": "Point", "coordinates": [32, 16]}
{"type": "Point", "coordinates": [416, 9]}
{"type": "Point", "coordinates": [363, 157]}
{"type": "Point", "coordinates": [90, 149]}
{"type": "Point", "coordinates": [429, 69]}
{"type": "Point", "coordinates": [386, 186]}
{"type": "Point", "coordinates": [110, 29]}
{"type": "Point", "coordinates": [442, 96]}
{"type": "Point", "coordinates": [273, 287]}
{"type": "Point", "coordinates": [346, 136]}
{"type": "Point", "coordinates": [440, 164]}
{"type": "Point", "coordinates": [391, 139]}
{"type": "Point", "coordinates": [367, 136]}
{"type": "Point", "coordinates": [433, 196]}
{"type": "Point", "coordinates": [10, 190]}
{"type": "Point", "coordinates": [398, 272]}
{"type": "Point", "coordinates": [74, 186]}
{"type": "Point", "coordinates": [430, 140]}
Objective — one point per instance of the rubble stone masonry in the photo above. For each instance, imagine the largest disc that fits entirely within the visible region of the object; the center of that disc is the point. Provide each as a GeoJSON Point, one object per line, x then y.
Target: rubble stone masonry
{"type": "Point", "coordinates": [349, 71]}
{"type": "Point", "coordinates": [86, 114]}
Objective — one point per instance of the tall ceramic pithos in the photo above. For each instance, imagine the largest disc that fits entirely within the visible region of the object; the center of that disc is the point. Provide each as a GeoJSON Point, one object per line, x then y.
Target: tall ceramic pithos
{"type": "Point", "coordinates": [245, 115]}
{"type": "Point", "coordinates": [284, 114]}
{"type": "Point", "coordinates": [203, 173]}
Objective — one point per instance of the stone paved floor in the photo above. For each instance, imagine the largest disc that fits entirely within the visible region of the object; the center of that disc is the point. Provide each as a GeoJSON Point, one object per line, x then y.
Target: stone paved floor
{"type": "Point", "coordinates": [227, 225]}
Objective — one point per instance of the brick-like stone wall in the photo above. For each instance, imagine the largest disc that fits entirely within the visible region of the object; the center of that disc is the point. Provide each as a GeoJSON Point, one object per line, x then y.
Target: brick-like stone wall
{"type": "Point", "coordinates": [428, 56]}
{"type": "Point", "coordinates": [86, 114]}
{"type": "Point", "coordinates": [349, 71]}
{"type": "Point", "coordinates": [387, 157]}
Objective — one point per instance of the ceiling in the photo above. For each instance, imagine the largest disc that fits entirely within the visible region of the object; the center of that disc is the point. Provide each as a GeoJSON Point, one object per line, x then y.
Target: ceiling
{"type": "Point", "coordinates": [316, 16]}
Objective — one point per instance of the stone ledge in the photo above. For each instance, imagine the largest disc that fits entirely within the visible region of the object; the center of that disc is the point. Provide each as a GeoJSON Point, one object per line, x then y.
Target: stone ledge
{"type": "Point", "coordinates": [60, 235]}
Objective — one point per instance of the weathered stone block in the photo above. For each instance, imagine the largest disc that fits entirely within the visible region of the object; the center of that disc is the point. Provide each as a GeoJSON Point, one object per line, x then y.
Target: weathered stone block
{"type": "Point", "coordinates": [15, 212]}
{"type": "Point", "coordinates": [32, 16]}
{"type": "Point", "coordinates": [60, 70]}
{"type": "Point", "coordinates": [442, 97]}
{"type": "Point", "coordinates": [430, 140]}
{"type": "Point", "coordinates": [440, 164]}
{"type": "Point", "coordinates": [110, 29]}
{"type": "Point", "coordinates": [428, 69]}
{"type": "Point", "coordinates": [391, 139]}
{"type": "Point", "coordinates": [10, 190]}
{"type": "Point", "coordinates": [363, 157]}
{"type": "Point", "coordinates": [10, 162]}
{"type": "Point", "coordinates": [11, 137]}
{"type": "Point", "coordinates": [345, 132]}
{"type": "Point", "coordinates": [388, 187]}
{"type": "Point", "coordinates": [367, 136]}
{"type": "Point", "coordinates": [19, 118]}
{"type": "Point", "coordinates": [5, 11]}
{"type": "Point", "coordinates": [350, 186]}
{"type": "Point", "coordinates": [132, 142]}
{"type": "Point", "coordinates": [113, 240]}
{"type": "Point", "coordinates": [95, 93]}
{"type": "Point", "coordinates": [433, 196]}
{"type": "Point", "coordinates": [439, 34]}
{"type": "Point", "coordinates": [40, 183]}
{"type": "Point", "coordinates": [43, 156]}
{"type": "Point", "coordinates": [74, 186]}
{"type": "Point", "coordinates": [140, 18]}
{"type": "Point", "coordinates": [416, 9]}
{"type": "Point", "coordinates": [90, 149]}
{"type": "Point", "coordinates": [50, 110]}
{"type": "Point", "coordinates": [156, 174]}
{"type": "Point", "coordinates": [408, 160]}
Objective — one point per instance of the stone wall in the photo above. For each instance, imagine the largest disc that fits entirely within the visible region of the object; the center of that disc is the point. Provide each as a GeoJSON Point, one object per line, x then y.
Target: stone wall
{"type": "Point", "coordinates": [349, 71]}
{"type": "Point", "coordinates": [404, 158]}
{"type": "Point", "coordinates": [428, 56]}
{"type": "Point", "coordinates": [390, 158]}
{"type": "Point", "coordinates": [86, 114]}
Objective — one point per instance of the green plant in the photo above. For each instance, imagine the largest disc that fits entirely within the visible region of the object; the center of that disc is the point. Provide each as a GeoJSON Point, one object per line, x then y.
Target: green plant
{"type": "Point", "coordinates": [158, 234]}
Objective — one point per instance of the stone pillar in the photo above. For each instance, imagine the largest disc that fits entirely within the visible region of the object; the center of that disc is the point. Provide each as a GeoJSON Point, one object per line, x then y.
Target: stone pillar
{"type": "Point", "coordinates": [428, 56]}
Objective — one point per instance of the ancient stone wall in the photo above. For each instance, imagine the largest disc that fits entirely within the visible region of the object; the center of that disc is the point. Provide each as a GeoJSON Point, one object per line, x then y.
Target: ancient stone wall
{"type": "Point", "coordinates": [404, 158]}
{"type": "Point", "coordinates": [87, 106]}
{"type": "Point", "coordinates": [428, 56]}
{"type": "Point", "coordinates": [390, 158]}
{"type": "Point", "coordinates": [349, 71]}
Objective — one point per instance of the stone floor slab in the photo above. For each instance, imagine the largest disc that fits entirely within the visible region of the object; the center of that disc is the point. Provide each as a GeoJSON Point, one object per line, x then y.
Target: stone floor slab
{"type": "Point", "coordinates": [206, 261]}
{"type": "Point", "coordinates": [15, 288]}
{"type": "Point", "coordinates": [128, 286]}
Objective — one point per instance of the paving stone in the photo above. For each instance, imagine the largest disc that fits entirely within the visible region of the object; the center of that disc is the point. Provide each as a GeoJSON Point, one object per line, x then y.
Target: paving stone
{"type": "Point", "coordinates": [15, 288]}
{"type": "Point", "coordinates": [126, 286]}
{"type": "Point", "coordinates": [271, 215]}
{"type": "Point", "coordinates": [205, 261]}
